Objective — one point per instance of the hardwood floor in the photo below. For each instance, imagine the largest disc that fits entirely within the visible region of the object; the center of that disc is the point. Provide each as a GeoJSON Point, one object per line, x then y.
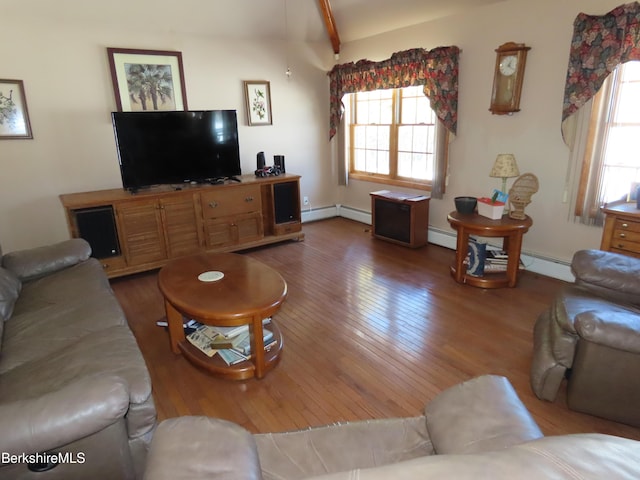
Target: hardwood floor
{"type": "Point", "coordinates": [371, 330]}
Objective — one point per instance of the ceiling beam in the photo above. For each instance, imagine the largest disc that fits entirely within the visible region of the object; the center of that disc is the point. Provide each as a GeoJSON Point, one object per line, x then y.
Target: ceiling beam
{"type": "Point", "coordinates": [330, 23]}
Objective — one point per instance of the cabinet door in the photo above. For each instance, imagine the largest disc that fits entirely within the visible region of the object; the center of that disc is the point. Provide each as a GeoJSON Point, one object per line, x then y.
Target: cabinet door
{"type": "Point", "coordinates": [141, 232]}
{"type": "Point", "coordinates": [219, 233]}
{"type": "Point", "coordinates": [234, 230]}
{"type": "Point", "coordinates": [248, 227]}
{"type": "Point", "coordinates": [182, 226]}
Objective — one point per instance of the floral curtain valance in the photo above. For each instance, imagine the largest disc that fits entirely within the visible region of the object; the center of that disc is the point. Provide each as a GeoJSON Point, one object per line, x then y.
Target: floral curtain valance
{"type": "Point", "coordinates": [436, 69]}
{"type": "Point", "coordinates": [599, 45]}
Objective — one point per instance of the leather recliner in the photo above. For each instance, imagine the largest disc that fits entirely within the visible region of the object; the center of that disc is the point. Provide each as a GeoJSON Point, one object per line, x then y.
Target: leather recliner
{"type": "Point", "coordinates": [591, 336]}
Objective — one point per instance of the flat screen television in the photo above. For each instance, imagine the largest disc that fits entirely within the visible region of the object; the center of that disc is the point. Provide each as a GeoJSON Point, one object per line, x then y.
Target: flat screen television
{"type": "Point", "coordinates": [176, 147]}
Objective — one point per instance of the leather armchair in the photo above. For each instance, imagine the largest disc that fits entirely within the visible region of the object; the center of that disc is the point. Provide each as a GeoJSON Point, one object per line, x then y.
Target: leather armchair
{"type": "Point", "coordinates": [591, 335]}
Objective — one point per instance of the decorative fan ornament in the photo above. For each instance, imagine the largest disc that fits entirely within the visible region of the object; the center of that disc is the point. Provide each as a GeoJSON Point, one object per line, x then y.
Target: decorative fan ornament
{"type": "Point", "coordinates": [520, 194]}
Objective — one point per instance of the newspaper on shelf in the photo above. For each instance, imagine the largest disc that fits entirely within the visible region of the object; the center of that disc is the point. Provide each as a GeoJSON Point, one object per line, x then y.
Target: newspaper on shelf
{"type": "Point", "coordinates": [203, 339]}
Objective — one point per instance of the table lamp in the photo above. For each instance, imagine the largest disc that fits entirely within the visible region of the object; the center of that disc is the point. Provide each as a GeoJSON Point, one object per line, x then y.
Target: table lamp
{"type": "Point", "coordinates": [505, 167]}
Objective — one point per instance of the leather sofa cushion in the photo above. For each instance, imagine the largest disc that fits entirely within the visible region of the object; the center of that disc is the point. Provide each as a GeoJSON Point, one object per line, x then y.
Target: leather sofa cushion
{"type": "Point", "coordinates": [337, 447]}
{"type": "Point", "coordinates": [615, 328]}
{"type": "Point", "coordinates": [479, 415]}
{"type": "Point", "coordinates": [188, 448]}
{"type": "Point", "coordinates": [30, 336]}
{"type": "Point", "coordinates": [579, 456]}
{"type": "Point", "coordinates": [612, 275]}
{"type": "Point", "coordinates": [10, 287]}
{"type": "Point", "coordinates": [41, 261]}
{"type": "Point", "coordinates": [112, 350]}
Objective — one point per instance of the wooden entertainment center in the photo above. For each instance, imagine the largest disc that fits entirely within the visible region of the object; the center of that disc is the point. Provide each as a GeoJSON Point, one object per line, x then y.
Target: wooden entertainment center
{"type": "Point", "coordinates": [135, 232]}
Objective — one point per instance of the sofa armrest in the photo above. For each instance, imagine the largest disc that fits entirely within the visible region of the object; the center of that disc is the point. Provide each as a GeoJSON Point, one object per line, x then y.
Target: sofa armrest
{"type": "Point", "coordinates": [60, 417]}
{"type": "Point", "coordinates": [38, 262]}
{"type": "Point", "coordinates": [194, 448]}
{"type": "Point", "coordinates": [608, 274]}
{"type": "Point", "coordinates": [479, 415]}
{"type": "Point", "coordinates": [617, 328]}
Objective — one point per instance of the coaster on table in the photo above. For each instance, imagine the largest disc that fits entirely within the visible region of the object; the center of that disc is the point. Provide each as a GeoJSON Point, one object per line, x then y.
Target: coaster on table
{"type": "Point", "coordinates": [210, 276]}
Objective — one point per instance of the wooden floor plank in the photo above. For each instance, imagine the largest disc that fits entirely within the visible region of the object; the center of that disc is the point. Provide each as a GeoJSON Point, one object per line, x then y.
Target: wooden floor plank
{"type": "Point", "coordinates": [371, 330]}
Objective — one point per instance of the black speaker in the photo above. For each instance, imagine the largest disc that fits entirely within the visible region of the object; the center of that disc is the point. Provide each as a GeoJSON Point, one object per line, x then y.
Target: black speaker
{"type": "Point", "coordinates": [98, 227]}
{"type": "Point", "coordinates": [260, 161]}
{"type": "Point", "coordinates": [285, 202]}
{"type": "Point", "coordinates": [278, 161]}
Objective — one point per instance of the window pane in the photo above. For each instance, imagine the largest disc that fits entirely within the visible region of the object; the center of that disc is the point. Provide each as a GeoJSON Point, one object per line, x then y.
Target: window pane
{"type": "Point", "coordinates": [371, 149]}
{"type": "Point", "coordinates": [415, 165]}
{"type": "Point", "coordinates": [628, 102]}
{"type": "Point", "coordinates": [359, 136]}
{"type": "Point", "coordinates": [386, 111]}
{"type": "Point", "coordinates": [622, 146]}
{"type": "Point", "coordinates": [362, 112]}
{"type": "Point", "coordinates": [359, 160]}
{"type": "Point", "coordinates": [617, 182]}
{"type": "Point", "coordinates": [378, 126]}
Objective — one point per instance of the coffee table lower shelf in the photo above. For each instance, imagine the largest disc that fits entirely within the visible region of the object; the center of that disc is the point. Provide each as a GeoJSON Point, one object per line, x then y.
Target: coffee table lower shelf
{"type": "Point", "coordinates": [488, 280]}
{"type": "Point", "coordinates": [238, 371]}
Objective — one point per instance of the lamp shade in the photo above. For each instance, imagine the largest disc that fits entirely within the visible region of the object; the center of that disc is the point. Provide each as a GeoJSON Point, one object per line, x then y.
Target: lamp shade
{"type": "Point", "coordinates": [505, 166]}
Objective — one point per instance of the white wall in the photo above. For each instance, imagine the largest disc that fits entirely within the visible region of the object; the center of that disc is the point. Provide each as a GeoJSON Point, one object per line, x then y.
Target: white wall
{"type": "Point", "coordinates": [533, 134]}
{"type": "Point", "coordinates": [70, 96]}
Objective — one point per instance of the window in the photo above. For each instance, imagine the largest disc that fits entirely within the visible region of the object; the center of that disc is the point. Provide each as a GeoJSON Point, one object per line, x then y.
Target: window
{"type": "Point", "coordinates": [612, 157]}
{"type": "Point", "coordinates": [393, 137]}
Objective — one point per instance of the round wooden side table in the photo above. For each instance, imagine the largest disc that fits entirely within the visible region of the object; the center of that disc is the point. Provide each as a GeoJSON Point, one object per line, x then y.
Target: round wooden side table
{"type": "Point", "coordinates": [511, 230]}
{"type": "Point", "coordinates": [234, 290]}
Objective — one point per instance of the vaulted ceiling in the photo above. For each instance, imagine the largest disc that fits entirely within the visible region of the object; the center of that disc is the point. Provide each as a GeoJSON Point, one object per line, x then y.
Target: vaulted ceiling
{"type": "Point", "coordinates": [300, 20]}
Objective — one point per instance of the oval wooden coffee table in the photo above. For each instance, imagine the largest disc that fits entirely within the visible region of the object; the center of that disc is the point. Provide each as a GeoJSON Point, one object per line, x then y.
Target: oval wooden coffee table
{"type": "Point", "coordinates": [248, 292]}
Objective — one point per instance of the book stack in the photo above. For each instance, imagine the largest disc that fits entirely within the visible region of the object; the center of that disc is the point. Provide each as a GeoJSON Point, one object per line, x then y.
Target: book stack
{"type": "Point", "coordinates": [232, 344]}
{"type": "Point", "coordinates": [496, 261]}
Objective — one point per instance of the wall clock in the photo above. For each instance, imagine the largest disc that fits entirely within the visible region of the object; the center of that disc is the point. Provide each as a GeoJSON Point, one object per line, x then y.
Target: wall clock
{"type": "Point", "coordinates": [507, 80]}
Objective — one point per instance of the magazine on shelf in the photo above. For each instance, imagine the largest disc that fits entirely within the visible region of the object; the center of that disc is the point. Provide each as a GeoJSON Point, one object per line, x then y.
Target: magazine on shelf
{"type": "Point", "coordinates": [230, 332]}
{"type": "Point", "coordinates": [231, 357]}
{"type": "Point", "coordinates": [202, 339]}
{"type": "Point", "coordinates": [244, 347]}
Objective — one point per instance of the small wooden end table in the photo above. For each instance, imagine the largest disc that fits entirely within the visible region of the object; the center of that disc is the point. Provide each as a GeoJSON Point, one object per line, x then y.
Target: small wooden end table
{"type": "Point", "coordinates": [248, 292]}
{"type": "Point", "coordinates": [511, 230]}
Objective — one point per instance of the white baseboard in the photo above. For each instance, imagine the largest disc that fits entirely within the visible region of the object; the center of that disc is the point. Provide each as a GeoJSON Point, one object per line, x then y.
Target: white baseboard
{"type": "Point", "coordinates": [534, 263]}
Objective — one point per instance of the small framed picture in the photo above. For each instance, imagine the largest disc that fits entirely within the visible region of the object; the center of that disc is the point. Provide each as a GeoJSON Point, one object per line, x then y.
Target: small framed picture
{"type": "Point", "coordinates": [147, 80]}
{"type": "Point", "coordinates": [14, 116]}
{"type": "Point", "coordinates": [258, 102]}
{"type": "Point", "coordinates": [633, 192]}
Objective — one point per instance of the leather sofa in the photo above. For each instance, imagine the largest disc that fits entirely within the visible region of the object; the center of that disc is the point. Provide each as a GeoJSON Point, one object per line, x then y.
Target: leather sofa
{"type": "Point", "coordinates": [475, 430]}
{"type": "Point", "coordinates": [74, 388]}
{"type": "Point", "coordinates": [591, 336]}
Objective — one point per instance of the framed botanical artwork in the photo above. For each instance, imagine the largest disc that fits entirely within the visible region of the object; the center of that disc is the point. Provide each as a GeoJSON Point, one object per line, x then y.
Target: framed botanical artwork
{"type": "Point", "coordinates": [14, 117]}
{"type": "Point", "coordinates": [258, 102]}
{"type": "Point", "coordinates": [147, 80]}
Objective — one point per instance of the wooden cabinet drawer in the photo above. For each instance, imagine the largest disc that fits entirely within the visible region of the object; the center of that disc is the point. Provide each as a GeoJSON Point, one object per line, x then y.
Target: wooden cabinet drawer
{"type": "Point", "coordinates": [285, 228]}
{"type": "Point", "coordinates": [621, 244]}
{"type": "Point", "coordinates": [113, 264]}
{"type": "Point", "coordinates": [628, 253]}
{"type": "Point", "coordinates": [624, 225]}
{"type": "Point", "coordinates": [231, 201]}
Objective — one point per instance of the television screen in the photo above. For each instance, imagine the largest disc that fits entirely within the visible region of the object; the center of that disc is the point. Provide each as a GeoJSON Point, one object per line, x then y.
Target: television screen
{"type": "Point", "coordinates": [175, 147]}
